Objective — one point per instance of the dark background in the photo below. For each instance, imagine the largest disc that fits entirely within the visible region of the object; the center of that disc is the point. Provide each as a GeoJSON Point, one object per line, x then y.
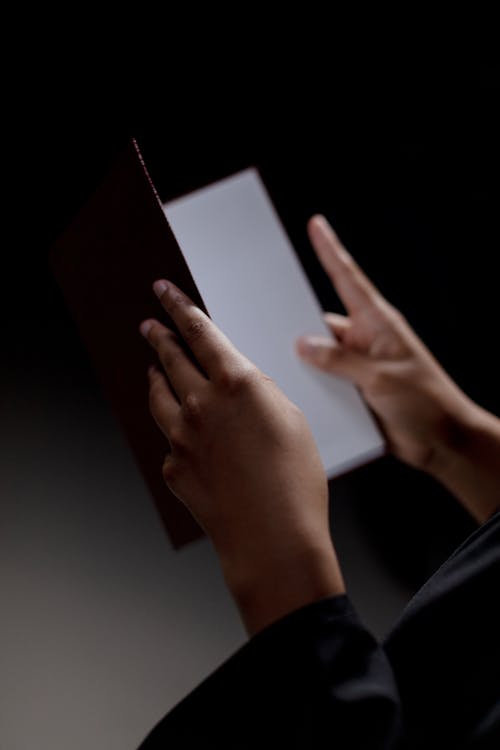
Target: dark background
{"type": "Point", "coordinates": [399, 150]}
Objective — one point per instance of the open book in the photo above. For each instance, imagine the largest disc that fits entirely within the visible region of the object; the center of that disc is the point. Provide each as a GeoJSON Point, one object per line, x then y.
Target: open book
{"type": "Point", "coordinates": [225, 246]}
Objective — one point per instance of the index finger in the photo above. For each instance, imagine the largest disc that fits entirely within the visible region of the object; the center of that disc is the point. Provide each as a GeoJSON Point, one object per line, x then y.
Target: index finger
{"type": "Point", "coordinates": [211, 348]}
{"type": "Point", "coordinates": [353, 286]}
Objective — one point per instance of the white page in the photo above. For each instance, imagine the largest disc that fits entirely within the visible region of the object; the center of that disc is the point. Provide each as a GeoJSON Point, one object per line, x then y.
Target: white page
{"type": "Point", "coordinates": [256, 291]}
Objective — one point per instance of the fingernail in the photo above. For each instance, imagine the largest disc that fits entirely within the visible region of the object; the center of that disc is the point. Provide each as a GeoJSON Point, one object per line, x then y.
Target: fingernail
{"type": "Point", "coordinates": [160, 287]}
{"type": "Point", "coordinates": [145, 327]}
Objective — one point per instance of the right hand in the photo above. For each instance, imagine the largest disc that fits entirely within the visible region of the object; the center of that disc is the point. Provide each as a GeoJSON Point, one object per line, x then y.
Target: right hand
{"type": "Point", "coordinates": [243, 460]}
{"type": "Point", "coordinates": [414, 399]}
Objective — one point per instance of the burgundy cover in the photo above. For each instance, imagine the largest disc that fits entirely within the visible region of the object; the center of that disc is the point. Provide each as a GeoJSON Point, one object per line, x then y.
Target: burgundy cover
{"type": "Point", "coordinates": [105, 264]}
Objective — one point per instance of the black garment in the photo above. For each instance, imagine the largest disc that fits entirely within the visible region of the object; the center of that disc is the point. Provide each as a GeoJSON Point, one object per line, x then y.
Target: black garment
{"type": "Point", "coordinates": [318, 679]}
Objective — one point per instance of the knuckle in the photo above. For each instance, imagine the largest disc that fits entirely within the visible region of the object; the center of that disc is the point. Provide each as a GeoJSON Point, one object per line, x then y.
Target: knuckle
{"type": "Point", "coordinates": [194, 330]}
{"type": "Point", "coordinates": [234, 381]}
{"type": "Point", "coordinates": [191, 408]}
{"type": "Point", "coordinates": [392, 310]}
{"type": "Point", "coordinates": [401, 324]}
{"type": "Point", "coordinates": [390, 313]}
{"type": "Point", "coordinates": [170, 468]}
{"type": "Point", "coordinates": [175, 300]}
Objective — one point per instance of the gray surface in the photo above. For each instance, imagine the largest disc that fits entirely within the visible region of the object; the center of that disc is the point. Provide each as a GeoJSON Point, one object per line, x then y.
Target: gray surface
{"type": "Point", "coordinates": [103, 626]}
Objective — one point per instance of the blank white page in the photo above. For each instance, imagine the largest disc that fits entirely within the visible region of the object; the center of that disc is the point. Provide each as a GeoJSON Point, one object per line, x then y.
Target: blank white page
{"type": "Point", "coordinates": [256, 291]}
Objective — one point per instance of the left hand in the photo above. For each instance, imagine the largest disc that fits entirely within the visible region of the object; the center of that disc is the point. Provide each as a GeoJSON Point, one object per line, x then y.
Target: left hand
{"type": "Point", "coordinates": [244, 461]}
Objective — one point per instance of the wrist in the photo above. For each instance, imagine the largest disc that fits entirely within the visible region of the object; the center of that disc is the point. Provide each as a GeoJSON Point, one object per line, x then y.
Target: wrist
{"type": "Point", "coordinates": [280, 579]}
{"type": "Point", "coordinates": [454, 433]}
{"type": "Point", "coordinates": [467, 456]}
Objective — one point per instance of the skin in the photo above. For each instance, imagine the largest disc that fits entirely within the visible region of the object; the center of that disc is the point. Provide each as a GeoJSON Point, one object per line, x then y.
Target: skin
{"type": "Point", "coordinates": [245, 463]}
{"type": "Point", "coordinates": [428, 421]}
{"type": "Point", "coordinates": [242, 457]}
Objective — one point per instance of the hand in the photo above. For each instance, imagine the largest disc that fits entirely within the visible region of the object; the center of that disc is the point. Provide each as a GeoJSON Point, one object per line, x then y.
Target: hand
{"type": "Point", "coordinates": [376, 348]}
{"type": "Point", "coordinates": [243, 460]}
{"type": "Point", "coordinates": [428, 421]}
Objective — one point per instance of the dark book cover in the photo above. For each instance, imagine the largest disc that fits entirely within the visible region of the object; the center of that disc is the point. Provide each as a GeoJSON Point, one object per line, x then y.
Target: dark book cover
{"type": "Point", "coordinates": [105, 264]}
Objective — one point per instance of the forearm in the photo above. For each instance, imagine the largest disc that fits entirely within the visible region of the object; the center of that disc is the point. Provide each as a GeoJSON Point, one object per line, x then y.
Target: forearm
{"type": "Point", "coordinates": [467, 461]}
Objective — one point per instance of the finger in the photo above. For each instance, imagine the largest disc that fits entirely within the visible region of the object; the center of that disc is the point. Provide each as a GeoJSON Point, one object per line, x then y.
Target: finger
{"type": "Point", "coordinates": [182, 374]}
{"type": "Point", "coordinates": [162, 402]}
{"type": "Point", "coordinates": [351, 284]}
{"type": "Point", "coordinates": [338, 324]}
{"type": "Point", "coordinates": [331, 357]}
{"type": "Point", "coordinates": [211, 348]}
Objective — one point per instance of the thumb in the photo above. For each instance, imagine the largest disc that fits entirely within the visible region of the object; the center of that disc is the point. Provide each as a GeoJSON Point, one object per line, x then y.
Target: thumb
{"type": "Point", "coordinates": [331, 356]}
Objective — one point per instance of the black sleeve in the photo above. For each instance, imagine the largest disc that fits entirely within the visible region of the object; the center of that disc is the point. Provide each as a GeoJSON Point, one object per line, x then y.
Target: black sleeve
{"type": "Point", "coordinates": [318, 679]}
{"type": "Point", "coordinates": [445, 650]}
{"type": "Point", "coordinates": [315, 677]}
